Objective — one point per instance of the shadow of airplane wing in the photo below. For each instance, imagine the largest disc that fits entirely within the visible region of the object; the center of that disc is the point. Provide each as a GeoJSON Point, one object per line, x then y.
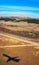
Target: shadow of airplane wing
{"type": "Point", "coordinates": [6, 55]}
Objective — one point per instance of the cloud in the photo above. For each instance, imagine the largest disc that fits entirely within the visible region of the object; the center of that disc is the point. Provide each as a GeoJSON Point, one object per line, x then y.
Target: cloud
{"type": "Point", "coordinates": [19, 11]}
{"type": "Point", "coordinates": [18, 7]}
{"type": "Point", "coordinates": [26, 14]}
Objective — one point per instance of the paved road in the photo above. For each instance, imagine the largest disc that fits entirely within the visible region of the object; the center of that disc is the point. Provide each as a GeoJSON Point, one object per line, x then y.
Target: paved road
{"type": "Point", "coordinates": [20, 39]}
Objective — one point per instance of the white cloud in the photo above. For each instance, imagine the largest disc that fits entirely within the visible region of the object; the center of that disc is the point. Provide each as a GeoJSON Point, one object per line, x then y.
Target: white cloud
{"type": "Point", "coordinates": [5, 11]}
{"type": "Point", "coordinates": [18, 7]}
{"type": "Point", "coordinates": [26, 14]}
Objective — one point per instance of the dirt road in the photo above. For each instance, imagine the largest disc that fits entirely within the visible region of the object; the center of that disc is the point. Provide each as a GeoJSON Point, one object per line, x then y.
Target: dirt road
{"type": "Point", "coordinates": [20, 39]}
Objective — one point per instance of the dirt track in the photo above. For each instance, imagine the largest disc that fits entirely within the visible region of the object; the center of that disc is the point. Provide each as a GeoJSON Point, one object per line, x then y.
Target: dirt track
{"type": "Point", "coordinates": [23, 40]}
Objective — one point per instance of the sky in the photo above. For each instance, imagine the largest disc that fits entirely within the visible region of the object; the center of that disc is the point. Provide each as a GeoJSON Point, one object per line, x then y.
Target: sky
{"type": "Point", "coordinates": [26, 8]}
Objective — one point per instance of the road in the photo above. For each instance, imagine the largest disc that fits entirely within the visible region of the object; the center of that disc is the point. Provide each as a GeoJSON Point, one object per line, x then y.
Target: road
{"type": "Point", "coordinates": [20, 39]}
{"type": "Point", "coordinates": [12, 46]}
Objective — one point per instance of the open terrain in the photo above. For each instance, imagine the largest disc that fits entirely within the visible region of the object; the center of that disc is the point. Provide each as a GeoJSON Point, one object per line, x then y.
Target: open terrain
{"type": "Point", "coordinates": [22, 29]}
{"type": "Point", "coordinates": [28, 53]}
{"type": "Point", "coordinates": [19, 39]}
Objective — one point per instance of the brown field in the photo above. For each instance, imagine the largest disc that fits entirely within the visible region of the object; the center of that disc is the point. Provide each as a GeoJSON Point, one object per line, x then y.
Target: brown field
{"type": "Point", "coordinates": [22, 29]}
{"type": "Point", "coordinates": [29, 54]}
{"type": "Point", "coordinates": [8, 41]}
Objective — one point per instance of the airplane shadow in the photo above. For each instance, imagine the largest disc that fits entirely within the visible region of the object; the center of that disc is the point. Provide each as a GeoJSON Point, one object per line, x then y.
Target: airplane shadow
{"type": "Point", "coordinates": [16, 59]}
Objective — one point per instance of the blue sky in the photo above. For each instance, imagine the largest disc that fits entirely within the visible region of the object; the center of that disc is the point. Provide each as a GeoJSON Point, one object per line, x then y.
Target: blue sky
{"type": "Point", "coordinates": [27, 8]}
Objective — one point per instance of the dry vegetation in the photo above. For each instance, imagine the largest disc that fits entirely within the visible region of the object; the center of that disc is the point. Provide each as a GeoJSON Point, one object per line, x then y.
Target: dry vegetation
{"type": "Point", "coordinates": [29, 55]}
{"type": "Point", "coordinates": [8, 41]}
{"type": "Point", "coordinates": [24, 29]}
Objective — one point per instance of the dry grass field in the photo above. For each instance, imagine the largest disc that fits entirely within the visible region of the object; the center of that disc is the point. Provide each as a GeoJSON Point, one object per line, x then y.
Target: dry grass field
{"type": "Point", "coordinates": [28, 54]}
{"type": "Point", "coordinates": [20, 26]}
{"type": "Point", "coordinates": [8, 41]}
{"type": "Point", "coordinates": [24, 29]}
